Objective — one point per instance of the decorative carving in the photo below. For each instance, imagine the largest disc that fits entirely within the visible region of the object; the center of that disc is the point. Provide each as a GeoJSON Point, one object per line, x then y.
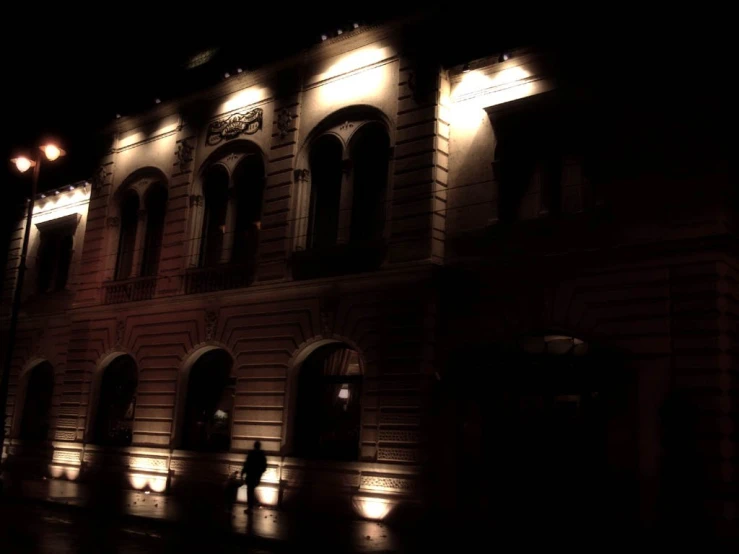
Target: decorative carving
{"type": "Point", "coordinates": [211, 321]}
{"type": "Point", "coordinates": [98, 178]}
{"type": "Point", "coordinates": [387, 483]}
{"type": "Point", "coordinates": [394, 435]}
{"type": "Point", "coordinates": [113, 221]}
{"type": "Point", "coordinates": [399, 419]}
{"type": "Point", "coordinates": [38, 345]}
{"type": "Point", "coordinates": [234, 125]}
{"type": "Point", "coordinates": [346, 125]}
{"type": "Point", "coordinates": [301, 175]}
{"type": "Point", "coordinates": [328, 305]}
{"type": "Point", "coordinates": [397, 455]}
{"type": "Point", "coordinates": [120, 330]}
{"type": "Point", "coordinates": [196, 200]}
{"type": "Point", "coordinates": [284, 121]}
{"type": "Point", "coordinates": [184, 154]}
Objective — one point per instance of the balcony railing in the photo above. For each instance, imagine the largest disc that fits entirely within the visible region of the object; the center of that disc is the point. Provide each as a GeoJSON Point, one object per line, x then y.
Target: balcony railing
{"type": "Point", "coordinates": [131, 290]}
{"type": "Point", "coordinates": [220, 277]}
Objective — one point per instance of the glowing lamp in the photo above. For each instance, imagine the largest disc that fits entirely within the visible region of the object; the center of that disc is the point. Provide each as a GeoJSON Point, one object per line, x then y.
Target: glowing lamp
{"type": "Point", "coordinates": [22, 163]}
{"type": "Point", "coordinates": [324, 37]}
{"type": "Point", "coordinates": [344, 392]}
{"type": "Point", "coordinates": [157, 100]}
{"type": "Point", "coordinates": [356, 25]}
{"type": "Point", "coordinates": [226, 75]}
{"type": "Point", "coordinates": [52, 152]}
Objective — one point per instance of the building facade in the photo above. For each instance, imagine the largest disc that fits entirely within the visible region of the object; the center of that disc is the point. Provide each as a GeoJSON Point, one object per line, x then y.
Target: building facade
{"type": "Point", "coordinates": [417, 286]}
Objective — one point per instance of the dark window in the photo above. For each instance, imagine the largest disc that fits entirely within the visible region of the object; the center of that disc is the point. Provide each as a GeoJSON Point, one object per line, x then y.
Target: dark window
{"type": "Point", "coordinates": [55, 257]}
{"type": "Point", "coordinates": [248, 182]}
{"type": "Point", "coordinates": [156, 209]}
{"type": "Point", "coordinates": [37, 407]}
{"type": "Point", "coordinates": [215, 192]}
{"type": "Point", "coordinates": [127, 242]}
{"type": "Point", "coordinates": [370, 151]}
{"type": "Point", "coordinates": [326, 177]}
{"type": "Point", "coordinates": [528, 166]}
{"type": "Point", "coordinates": [328, 404]}
{"type": "Point", "coordinates": [208, 411]}
{"type": "Point", "coordinates": [114, 422]}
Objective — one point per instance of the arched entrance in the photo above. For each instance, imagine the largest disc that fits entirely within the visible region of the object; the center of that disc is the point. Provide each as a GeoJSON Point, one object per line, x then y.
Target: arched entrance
{"type": "Point", "coordinates": [327, 418]}
{"type": "Point", "coordinates": [37, 406]}
{"type": "Point", "coordinates": [209, 406]}
{"type": "Point", "coordinates": [117, 402]}
{"type": "Point", "coordinates": [533, 433]}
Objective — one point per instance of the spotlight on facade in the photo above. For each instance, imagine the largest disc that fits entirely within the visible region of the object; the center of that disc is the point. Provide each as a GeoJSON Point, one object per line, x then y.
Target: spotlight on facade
{"type": "Point", "coordinates": [226, 75]}
{"type": "Point", "coordinates": [56, 193]}
{"type": "Point", "coordinates": [466, 68]}
{"type": "Point", "coordinates": [356, 25]}
{"type": "Point", "coordinates": [239, 70]}
{"type": "Point", "coordinates": [344, 392]}
{"type": "Point", "coordinates": [42, 196]}
{"type": "Point", "coordinates": [504, 57]}
{"type": "Point", "coordinates": [70, 187]}
{"type": "Point", "coordinates": [339, 32]}
{"type": "Point", "coordinates": [117, 116]}
{"type": "Point", "coordinates": [157, 100]}
{"type": "Point", "coordinates": [323, 37]}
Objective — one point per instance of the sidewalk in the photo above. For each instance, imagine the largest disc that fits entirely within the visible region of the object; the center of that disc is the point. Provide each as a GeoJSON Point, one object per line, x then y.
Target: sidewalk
{"type": "Point", "coordinates": [268, 527]}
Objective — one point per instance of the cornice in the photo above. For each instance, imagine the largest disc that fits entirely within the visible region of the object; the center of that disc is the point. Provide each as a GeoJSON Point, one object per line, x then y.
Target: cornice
{"type": "Point", "coordinates": [350, 40]}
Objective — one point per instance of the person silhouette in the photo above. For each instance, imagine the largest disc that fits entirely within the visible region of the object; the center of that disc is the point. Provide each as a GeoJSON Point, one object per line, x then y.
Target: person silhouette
{"type": "Point", "coordinates": [254, 467]}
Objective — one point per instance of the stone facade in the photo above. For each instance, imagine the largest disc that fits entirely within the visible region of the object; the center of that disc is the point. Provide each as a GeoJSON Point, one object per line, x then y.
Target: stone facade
{"type": "Point", "coordinates": [452, 276]}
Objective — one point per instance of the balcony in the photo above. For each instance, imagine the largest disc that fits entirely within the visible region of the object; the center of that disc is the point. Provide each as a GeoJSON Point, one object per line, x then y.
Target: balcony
{"type": "Point", "coordinates": [220, 277]}
{"type": "Point", "coordinates": [340, 259]}
{"type": "Point", "coordinates": [130, 290]}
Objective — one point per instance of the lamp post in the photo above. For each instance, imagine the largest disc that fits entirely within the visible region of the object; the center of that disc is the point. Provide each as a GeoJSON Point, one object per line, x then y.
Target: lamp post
{"type": "Point", "coordinates": [23, 164]}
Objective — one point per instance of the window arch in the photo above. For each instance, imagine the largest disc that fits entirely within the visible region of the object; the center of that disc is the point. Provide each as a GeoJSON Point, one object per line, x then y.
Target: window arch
{"type": "Point", "coordinates": [248, 185]}
{"type": "Point", "coordinates": [209, 403]}
{"type": "Point", "coordinates": [327, 418]}
{"type": "Point", "coordinates": [225, 220]}
{"type": "Point", "coordinates": [369, 150]}
{"type": "Point", "coordinates": [37, 406]}
{"type": "Point", "coordinates": [215, 197]}
{"type": "Point", "coordinates": [326, 180]}
{"type": "Point", "coordinates": [116, 403]}
{"type": "Point", "coordinates": [156, 209]}
{"type": "Point", "coordinates": [127, 240]}
{"type": "Point", "coordinates": [342, 191]}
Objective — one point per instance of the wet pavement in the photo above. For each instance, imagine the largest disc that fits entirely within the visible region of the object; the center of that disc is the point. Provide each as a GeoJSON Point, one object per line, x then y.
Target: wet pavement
{"type": "Point", "coordinates": [59, 516]}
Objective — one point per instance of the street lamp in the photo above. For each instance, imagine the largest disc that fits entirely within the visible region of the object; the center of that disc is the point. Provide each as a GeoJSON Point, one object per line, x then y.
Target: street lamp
{"type": "Point", "coordinates": [23, 164]}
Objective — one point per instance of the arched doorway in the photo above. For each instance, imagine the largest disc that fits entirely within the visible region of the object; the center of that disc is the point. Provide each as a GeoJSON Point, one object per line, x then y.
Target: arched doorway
{"type": "Point", "coordinates": [37, 406]}
{"type": "Point", "coordinates": [533, 432]}
{"type": "Point", "coordinates": [117, 402]}
{"type": "Point", "coordinates": [327, 419]}
{"type": "Point", "coordinates": [209, 406]}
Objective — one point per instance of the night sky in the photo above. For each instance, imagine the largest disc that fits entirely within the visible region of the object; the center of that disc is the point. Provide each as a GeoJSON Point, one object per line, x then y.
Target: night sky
{"type": "Point", "coordinates": [68, 71]}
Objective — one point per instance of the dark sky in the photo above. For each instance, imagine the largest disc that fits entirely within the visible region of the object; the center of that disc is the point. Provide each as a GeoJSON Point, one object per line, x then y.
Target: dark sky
{"type": "Point", "coordinates": [68, 71]}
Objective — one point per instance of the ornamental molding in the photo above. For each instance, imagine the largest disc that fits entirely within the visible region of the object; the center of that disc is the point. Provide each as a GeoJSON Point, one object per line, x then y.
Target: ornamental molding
{"type": "Point", "coordinates": [233, 126]}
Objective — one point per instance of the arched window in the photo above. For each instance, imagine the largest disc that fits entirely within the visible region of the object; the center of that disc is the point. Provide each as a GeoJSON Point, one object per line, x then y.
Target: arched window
{"type": "Point", "coordinates": [116, 404]}
{"type": "Point", "coordinates": [127, 242]}
{"type": "Point", "coordinates": [327, 421]}
{"type": "Point", "coordinates": [215, 194]}
{"type": "Point", "coordinates": [342, 194]}
{"type": "Point", "coordinates": [208, 411]}
{"type": "Point", "coordinates": [248, 184]}
{"type": "Point", "coordinates": [370, 150]}
{"type": "Point", "coordinates": [156, 209]}
{"type": "Point", "coordinates": [326, 176]}
{"type": "Point", "coordinates": [37, 407]}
